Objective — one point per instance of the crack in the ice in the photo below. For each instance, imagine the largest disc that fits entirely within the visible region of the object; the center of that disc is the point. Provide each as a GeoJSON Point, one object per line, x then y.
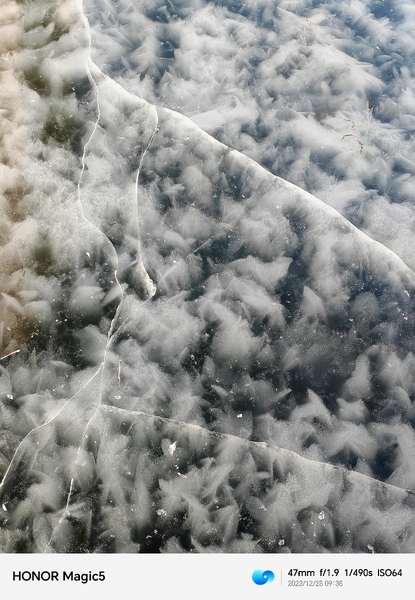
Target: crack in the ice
{"type": "Point", "coordinates": [114, 326]}
{"type": "Point", "coordinates": [16, 458]}
{"type": "Point", "coordinates": [19, 452]}
{"type": "Point", "coordinates": [268, 445]}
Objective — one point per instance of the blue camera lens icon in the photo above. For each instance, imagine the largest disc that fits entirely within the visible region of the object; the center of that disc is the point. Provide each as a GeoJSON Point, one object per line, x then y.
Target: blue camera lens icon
{"type": "Point", "coordinates": [260, 577]}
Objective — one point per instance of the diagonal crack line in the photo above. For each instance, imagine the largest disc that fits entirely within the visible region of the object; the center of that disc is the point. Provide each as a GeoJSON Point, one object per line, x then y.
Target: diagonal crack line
{"type": "Point", "coordinates": [18, 453]}
{"type": "Point", "coordinates": [262, 445]}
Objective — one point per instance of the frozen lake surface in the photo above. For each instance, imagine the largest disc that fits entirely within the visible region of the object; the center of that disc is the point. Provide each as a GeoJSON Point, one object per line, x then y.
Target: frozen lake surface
{"type": "Point", "coordinates": [207, 321]}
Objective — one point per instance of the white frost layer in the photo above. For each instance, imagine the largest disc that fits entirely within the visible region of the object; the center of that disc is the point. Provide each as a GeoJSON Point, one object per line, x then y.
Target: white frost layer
{"type": "Point", "coordinates": [320, 95]}
{"type": "Point", "coordinates": [252, 402]}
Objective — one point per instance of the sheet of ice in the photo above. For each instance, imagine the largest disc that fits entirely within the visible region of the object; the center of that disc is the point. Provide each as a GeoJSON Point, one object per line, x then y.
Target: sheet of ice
{"type": "Point", "coordinates": [321, 94]}
{"type": "Point", "coordinates": [198, 355]}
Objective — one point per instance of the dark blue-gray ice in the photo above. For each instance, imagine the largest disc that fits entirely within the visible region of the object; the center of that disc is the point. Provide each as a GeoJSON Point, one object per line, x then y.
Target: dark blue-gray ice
{"type": "Point", "coordinates": [207, 322]}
